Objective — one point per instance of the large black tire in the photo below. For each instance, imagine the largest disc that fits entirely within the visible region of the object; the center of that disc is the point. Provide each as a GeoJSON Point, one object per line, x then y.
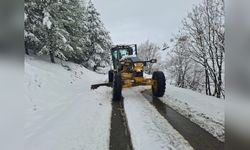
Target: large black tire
{"type": "Point", "coordinates": [111, 76]}
{"type": "Point", "coordinates": [158, 89]}
{"type": "Point", "coordinates": [117, 88]}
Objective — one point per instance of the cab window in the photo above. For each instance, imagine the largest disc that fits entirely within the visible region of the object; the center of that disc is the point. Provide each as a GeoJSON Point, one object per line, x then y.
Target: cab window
{"type": "Point", "coordinates": [118, 54]}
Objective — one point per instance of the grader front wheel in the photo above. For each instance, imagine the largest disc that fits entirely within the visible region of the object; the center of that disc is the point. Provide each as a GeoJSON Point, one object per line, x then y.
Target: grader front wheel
{"type": "Point", "coordinates": [158, 89]}
{"type": "Point", "coordinates": [117, 88]}
{"type": "Point", "coordinates": [111, 75]}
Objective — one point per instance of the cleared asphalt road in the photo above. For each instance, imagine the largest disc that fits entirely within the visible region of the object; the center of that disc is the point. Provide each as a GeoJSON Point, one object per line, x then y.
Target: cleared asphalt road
{"type": "Point", "coordinates": [198, 138]}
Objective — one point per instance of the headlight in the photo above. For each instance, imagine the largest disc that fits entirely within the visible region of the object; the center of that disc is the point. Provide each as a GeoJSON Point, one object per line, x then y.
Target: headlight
{"type": "Point", "coordinates": [138, 67]}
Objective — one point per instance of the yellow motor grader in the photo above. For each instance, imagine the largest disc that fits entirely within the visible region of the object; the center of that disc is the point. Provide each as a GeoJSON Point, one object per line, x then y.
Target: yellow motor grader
{"type": "Point", "coordinates": [128, 72]}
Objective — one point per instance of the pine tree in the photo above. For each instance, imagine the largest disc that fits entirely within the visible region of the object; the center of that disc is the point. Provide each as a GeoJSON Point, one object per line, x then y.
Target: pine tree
{"type": "Point", "coordinates": [67, 30]}
{"type": "Point", "coordinates": [99, 41]}
{"type": "Point", "coordinates": [67, 35]}
{"type": "Point", "coordinates": [56, 38]}
{"type": "Point", "coordinates": [75, 25]}
{"type": "Point", "coordinates": [33, 17]}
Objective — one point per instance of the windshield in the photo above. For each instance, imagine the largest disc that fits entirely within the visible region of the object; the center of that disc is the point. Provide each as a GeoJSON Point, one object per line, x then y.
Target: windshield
{"type": "Point", "coordinates": [118, 54]}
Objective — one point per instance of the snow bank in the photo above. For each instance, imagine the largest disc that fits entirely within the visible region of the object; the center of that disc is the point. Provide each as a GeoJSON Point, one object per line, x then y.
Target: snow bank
{"type": "Point", "coordinates": [206, 111]}
{"type": "Point", "coordinates": [63, 112]}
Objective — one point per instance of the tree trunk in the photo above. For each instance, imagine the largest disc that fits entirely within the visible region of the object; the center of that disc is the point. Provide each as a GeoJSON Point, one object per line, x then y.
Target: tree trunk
{"type": "Point", "coordinates": [215, 87]}
{"type": "Point", "coordinates": [220, 63]}
{"type": "Point", "coordinates": [26, 51]}
{"type": "Point", "coordinates": [220, 83]}
{"type": "Point", "coordinates": [52, 57]}
{"type": "Point", "coordinates": [219, 86]}
{"type": "Point", "coordinates": [208, 89]}
{"type": "Point", "coordinates": [179, 80]}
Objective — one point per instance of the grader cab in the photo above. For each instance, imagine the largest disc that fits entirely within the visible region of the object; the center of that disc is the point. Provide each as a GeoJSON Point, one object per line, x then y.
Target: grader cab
{"type": "Point", "coordinates": [128, 71]}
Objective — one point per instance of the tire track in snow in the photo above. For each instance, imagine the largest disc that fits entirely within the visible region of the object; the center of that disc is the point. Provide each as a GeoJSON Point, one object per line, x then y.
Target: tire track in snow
{"type": "Point", "coordinates": [119, 133]}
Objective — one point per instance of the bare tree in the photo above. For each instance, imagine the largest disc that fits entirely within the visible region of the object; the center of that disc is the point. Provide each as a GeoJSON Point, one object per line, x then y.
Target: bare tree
{"type": "Point", "coordinates": [179, 64]}
{"type": "Point", "coordinates": [205, 27]}
{"type": "Point", "coordinates": [148, 51]}
{"type": "Point", "coordinates": [185, 72]}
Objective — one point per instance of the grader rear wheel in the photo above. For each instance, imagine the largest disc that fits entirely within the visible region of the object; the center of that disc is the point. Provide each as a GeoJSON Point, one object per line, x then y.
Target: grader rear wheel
{"type": "Point", "coordinates": [158, 89]}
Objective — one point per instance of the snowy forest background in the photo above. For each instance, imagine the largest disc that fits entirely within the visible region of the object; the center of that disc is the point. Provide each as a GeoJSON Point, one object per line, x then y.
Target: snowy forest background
{"type": "Point", "coordinates": [67, 29]}
{"type": "Point", "coordinates": [72, 30]}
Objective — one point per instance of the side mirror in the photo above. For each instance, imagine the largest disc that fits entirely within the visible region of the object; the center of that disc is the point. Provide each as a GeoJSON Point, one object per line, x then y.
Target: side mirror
{"type": "Point", "coordinates": [153, 61]}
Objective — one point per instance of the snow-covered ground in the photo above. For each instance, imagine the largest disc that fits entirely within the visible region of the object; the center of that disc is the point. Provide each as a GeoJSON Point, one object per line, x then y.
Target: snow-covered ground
{"type": "Point", "coordinates": [63, 112]}
{"type": "Point", "coordinates": [206, 111]}
{"type": "Point", "coordinates": [149, 130]}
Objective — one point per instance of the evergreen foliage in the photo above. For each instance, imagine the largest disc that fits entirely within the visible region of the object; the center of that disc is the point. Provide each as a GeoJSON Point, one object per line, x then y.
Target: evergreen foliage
{"type": "Point", "coordinates": [66, 29]}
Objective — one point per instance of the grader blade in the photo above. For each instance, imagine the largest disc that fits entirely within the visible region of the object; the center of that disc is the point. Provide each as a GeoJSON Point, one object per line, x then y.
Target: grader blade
{"type": "Point", "coordinates": [95, 86]}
